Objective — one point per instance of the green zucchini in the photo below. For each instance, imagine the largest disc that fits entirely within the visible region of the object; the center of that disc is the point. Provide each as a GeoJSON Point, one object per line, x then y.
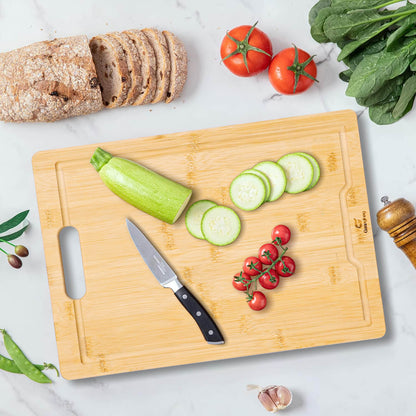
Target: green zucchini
{"type": "Point", "coordinates": [141, 187]}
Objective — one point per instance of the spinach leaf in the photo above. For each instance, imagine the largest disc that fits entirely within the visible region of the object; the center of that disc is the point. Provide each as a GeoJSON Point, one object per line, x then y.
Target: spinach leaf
{"type": "Point", "coordinates": [13, 222]}
{"type": "Point", "coordinates": [374, 70]}
{"type": "Point", "coordinates": [317, 28]}
{"type": "Point", "coordinates": [313, 13]}
{"type": "Point", "coordinates": [413, 65]}
{"type": "Point", "coordinates": [390, 89]}
{"type": "Point", "coordinates": [365, 37]}
{"type": "Point", "coordinates": [345, 75]}
{"type": "Point", "coordinates": [411, 32]}
{"type": "Point", "coordinates": [382, 113]}
{"type": "Point", "coordinates": [363, 4]}
{"type": "Point", "coordinates": [406, 97]}
{"type": "Point", "coordinates": [374, 46]}
{"type": "Point", "coordinates": [337, 27]}
{"type": "Point", "coordinates": [406, 25]}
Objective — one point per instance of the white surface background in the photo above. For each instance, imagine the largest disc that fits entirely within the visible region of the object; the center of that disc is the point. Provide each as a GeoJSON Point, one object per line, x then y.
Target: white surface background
{"type": "Point", "coordinates": [366, 378]}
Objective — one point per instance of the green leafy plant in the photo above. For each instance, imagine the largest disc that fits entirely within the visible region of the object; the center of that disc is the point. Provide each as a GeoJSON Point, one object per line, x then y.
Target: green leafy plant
{"type": "Point", "coordinates": [20, 250]}
{"type": "Point", "coordinates": [379, 48]}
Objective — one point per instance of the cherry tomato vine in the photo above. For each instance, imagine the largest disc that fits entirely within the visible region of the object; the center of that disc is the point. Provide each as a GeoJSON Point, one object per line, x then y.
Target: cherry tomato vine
{"type": "Point", "coordinates": [272, 266]}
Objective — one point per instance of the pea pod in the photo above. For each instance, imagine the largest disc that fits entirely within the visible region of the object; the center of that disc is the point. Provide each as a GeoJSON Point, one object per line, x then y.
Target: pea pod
{"type": "Point", "coordinates": [23, 364]}
{"type": "Point", "coordinates": [9, 365]}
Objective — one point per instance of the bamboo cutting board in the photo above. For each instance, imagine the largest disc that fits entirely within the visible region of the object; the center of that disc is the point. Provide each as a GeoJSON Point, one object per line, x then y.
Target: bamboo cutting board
{"type": "Point", "coordinates": [127, 322]}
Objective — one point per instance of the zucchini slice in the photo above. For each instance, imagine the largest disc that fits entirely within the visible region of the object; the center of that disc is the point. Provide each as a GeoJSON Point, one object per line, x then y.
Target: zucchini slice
{"type": "Point", "coordinates": [247, 191]}
{"type": "Point", "coordinates": [193, 217]}
{"type": "Point", "coordinates": [220, 225]}
{"type": "Point", "coordinates": [265, 180]}
{"type": "Point", "coordinates": [299, 172]}
{"type": "Point", "coordinates": [316, 169]}
{"type": "Point", "coordinates": [276, 176]}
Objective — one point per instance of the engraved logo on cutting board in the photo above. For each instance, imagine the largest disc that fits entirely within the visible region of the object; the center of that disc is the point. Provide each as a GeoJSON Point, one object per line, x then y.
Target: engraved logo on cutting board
{"type": "Point", "coordinates": [362, 223]}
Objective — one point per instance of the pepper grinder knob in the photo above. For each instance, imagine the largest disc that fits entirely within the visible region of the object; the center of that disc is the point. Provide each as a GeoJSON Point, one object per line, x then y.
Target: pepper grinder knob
{"type": "Point", "coordinates": [399, 220]}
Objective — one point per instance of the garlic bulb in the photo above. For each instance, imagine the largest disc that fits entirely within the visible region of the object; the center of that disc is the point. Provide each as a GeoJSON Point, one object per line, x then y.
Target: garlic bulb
{"type": "Point", "coordinates": [273, 398]}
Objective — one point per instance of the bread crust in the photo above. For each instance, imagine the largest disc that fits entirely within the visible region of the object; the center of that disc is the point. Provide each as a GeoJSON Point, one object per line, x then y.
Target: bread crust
{"type": "Point", "coordinates": [121, 68]}
{"type": "Point", "coordinates": [48, 81]}
{"type": "Point", "coordinates": [160, 47]}
{"type": "Point", "coordinates": [179, 66]}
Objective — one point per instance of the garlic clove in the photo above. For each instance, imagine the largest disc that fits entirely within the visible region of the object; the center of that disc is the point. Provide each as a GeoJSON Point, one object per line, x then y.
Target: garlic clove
{"type": "Point", "coordinates": [275, 398]}
{"type": "Point", "coordinates": [281, 396]}
{"type": "Point", "coordinates": [267, 402]}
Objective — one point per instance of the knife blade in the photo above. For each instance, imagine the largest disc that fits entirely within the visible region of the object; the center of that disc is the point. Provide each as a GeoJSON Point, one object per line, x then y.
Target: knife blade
{"type": "Point", "coordinates": [166, 276]}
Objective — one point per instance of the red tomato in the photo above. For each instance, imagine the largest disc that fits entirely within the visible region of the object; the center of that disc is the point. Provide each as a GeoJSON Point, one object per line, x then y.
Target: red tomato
{"type": "Point", "coordinates": [290, 264]}
{"type": "Point", "coordinates": [252, 266]}
{"type": "Point", "coordinates": [292, 71]}
{"type": "Point", "coordinates": [246, 51]}
{"type": "Point", "coordinates": [282, 232]}
{"type": "Point", "coordinates": [268, 253]}
{"type": "Point", "coordinates": [270, 280]}
{"type": "Point", "coordinates": [240, 285]}
{"type": "Point", "coordinates": [258, 301]}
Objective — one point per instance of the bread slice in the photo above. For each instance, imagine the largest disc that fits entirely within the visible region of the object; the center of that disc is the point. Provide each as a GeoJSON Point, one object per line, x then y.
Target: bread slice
{"type": "Point", "coordinates": [148, 66]}
{"type": "Point", "coordinates": [112, 69]}
{"type": "Point", "coordinates": [48, 81]}
{"type": "Point", "coordinates": [160, 47]}
{"type": "Point", "coordinates": [134, 66]}
{"type": "Point", "coordinates": [178, 66]}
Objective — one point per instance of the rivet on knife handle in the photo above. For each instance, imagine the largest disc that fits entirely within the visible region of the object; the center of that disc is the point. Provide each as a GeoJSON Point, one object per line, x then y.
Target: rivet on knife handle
{"type": "Point", "coordinates": [207, 326]}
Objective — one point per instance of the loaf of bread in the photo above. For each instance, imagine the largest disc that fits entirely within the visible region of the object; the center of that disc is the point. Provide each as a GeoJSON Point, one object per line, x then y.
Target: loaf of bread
{"type": "Point", "coordinates": [67, 77]}
{"type": "Point", "coordinates": [48, 81]}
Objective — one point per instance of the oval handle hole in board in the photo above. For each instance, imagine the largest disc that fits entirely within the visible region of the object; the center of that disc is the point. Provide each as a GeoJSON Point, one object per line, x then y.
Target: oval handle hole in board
{"type": "Point", "coordinates": [72, 262]}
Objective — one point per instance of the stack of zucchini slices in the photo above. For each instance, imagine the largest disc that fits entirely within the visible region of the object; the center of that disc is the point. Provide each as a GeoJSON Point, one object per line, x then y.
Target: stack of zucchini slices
{"type": "Point", "coordinates": [267, 181]}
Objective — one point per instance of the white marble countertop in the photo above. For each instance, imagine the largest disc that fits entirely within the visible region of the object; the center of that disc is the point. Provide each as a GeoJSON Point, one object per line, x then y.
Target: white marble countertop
{"type": "Point", "coordinates": [365, 378]}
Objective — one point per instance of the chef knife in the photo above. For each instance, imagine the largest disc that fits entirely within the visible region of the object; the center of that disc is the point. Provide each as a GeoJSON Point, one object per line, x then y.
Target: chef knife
{"type": "Point", "coordinates": [167, 278]}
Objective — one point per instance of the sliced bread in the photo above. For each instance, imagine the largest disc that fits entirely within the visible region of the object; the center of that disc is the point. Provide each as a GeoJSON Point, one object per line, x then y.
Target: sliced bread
{"type": "Point", "coordinates": [48, 81]}
{"type": "Point", "coordinates": [148, 66]}
{"type": "Point", "coordinates": [112, 69]}
{"type": "Point", "coordinates": [160, 47]}
{"type": "Point", "coordinates": [134, 65]}
{"type": "Point", "coordinates": [178, 66]}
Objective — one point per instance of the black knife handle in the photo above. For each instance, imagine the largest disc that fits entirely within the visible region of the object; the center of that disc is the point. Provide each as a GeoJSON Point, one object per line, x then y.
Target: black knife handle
{"type": "Point", "coordinates": [207, 326]}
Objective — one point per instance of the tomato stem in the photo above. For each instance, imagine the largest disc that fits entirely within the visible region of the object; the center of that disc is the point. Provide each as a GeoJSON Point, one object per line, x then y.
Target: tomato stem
{"type": "Point", "coordinates": [243, 46]}
{"type": "Point", "coordinates": [298, 68]}
{"type": "Point", "coordinates": [267, 270]}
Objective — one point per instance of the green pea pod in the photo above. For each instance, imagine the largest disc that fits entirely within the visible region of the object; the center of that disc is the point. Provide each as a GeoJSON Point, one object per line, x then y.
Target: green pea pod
{"type": "Point", "coordinates": [9, 365]}
{"type": "Point", "coordinates": [24, 365]}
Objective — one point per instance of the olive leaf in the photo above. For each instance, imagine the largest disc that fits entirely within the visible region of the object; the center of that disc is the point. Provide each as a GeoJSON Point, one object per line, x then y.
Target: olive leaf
{"type": "Point", "coordinates": [13, 222]}
{"type": "Point", "coordinates": [406, 97]}
{"type": "Point", "coordinates": [14, 235]}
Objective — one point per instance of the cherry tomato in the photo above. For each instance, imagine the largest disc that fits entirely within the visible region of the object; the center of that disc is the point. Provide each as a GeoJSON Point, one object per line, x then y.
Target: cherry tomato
{"type": "Point", "coordinates": [290, 264]}
{"type": "Point", "coordinates": [271, 251]}
{"type": "Point", "coordinates": [240, 285]}
{"type": "Point", "coordinates": [246, 51]}
{"type": "Point", "coordinates": [292, 71]}
{"type": "Point", "coordinates": [266, 279]}
{"type": "Point", "coordinates": [282, 232]}
{"type": "Point", "coordinates": [258, 301]}
{"type": "Point", "coordinates": [252, 266]}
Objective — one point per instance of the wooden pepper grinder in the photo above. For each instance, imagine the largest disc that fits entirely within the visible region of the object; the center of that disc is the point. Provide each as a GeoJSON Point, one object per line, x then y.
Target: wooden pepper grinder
{"type": "Point", "coordinates": [399, 220]}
